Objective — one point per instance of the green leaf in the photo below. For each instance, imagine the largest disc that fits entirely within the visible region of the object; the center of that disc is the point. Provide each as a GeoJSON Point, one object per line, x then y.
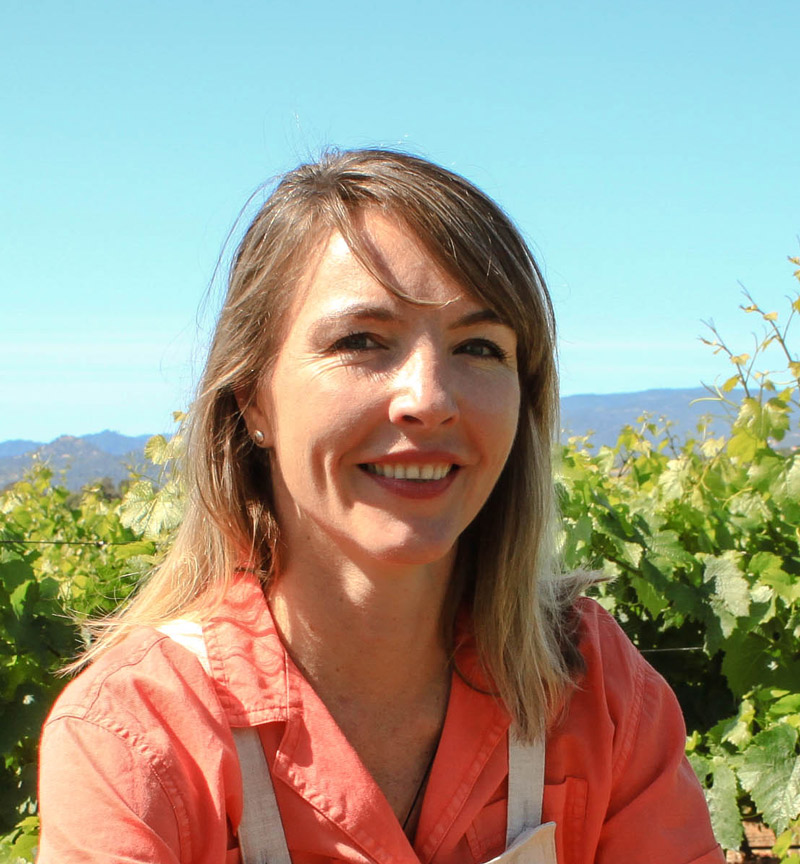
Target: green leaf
{"type": "Point", "coordinates": [675, 478]}
{"type": "Point", "coordinates": [652, 600]}
{"type": "Point", "coordinates": [766, 566]}
{"type": "Point", "coordinates": [155, 449]}
{"type": "Point", "coordinates": [784, 842]}
{"type": "Point", "coordinates": [786, 487]}
{"type": "Point", "coordinates": [762, 606]}
{"type": "Point", "coordinates": [700, 764]}
{"type": "Point", "coordinates": [20, 846]}
{"type": "Point", "coordinates": [769, 466]}
{"type": "Point", "coordinates": [742, 446]}
{"type": "Point", "coordinates": [748, 509]}
{"type": "Point", "coordinates": [152, 514]}
{"type": "Point", "coordinates": [22, 598]}
{"type": "Point", "coordinates": [668, 545]}
{"type": "Point", "coordinates": [775, 419]}
{"type": "Point", "coordinates": [738, 730]}
{"type": "Point", "coordinates": [781, 706]}
{"type": "Point", "coordinates": [730, 597]}
{"type": "Point", "coordinates": [134, 549]}
{"type": "Point", "coordinates": [712, 447]}
{"type": "Point", "coordinates": [732, 382]}
{"type": "Point", "coordinates": [769, 769]}
{"type": "Point", "coordinates": [159, 450]}
{"type": "Point", "coordinates": [723, 805]}
{"type": "Point", "coordinates": [747, 661]}
{"type": "Point", "coordinates": [14, 571]}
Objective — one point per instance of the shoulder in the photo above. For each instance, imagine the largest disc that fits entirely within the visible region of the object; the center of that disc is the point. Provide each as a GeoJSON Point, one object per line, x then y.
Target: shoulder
{"type": "Point", "coordinates": [600, 635]}
{"type": "Point", "coordinates": [147, 697]}
{"type": "Point", "coordinates": [146, 668]}
{"type": "Point", "coordinates": [620, 697]}
{"type": "Point", "coordinates": [621, 739]}
{"type": "Point", "coordinates": [613, 663]}
{"type": "Point", "coordinates": [136, 751]}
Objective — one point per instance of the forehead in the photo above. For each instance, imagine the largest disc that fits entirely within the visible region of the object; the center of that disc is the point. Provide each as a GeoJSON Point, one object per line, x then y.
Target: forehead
{"type": "Point", "coordinates": [400, 271]}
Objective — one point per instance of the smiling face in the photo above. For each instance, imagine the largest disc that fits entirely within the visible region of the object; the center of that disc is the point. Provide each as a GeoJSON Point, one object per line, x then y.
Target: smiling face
{"type": "Point", "coordinates": [389, 422]}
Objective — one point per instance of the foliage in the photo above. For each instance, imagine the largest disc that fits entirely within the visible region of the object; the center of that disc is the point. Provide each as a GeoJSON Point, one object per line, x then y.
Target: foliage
{"type": "Point", "coordinates": [64, 558]}
{"type": "Point", "coordinates": [699, 539]}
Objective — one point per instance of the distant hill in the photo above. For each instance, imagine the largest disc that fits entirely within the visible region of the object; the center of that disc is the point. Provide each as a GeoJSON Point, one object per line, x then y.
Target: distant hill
{"type": "Point", "coordinates": [82, 459]}
{"type": "Point", "coordinates": [109, 454]}
{"type": "Point", "coordinates": [17, 447]}
{"type": "Point", "coordinates": [116, 444]}
{"type": "Point", "coordinates": [605, 415]}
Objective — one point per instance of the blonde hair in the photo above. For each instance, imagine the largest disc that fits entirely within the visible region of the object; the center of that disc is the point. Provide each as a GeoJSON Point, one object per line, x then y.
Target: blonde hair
{"type": "Point", "coordinates": [504, 569]}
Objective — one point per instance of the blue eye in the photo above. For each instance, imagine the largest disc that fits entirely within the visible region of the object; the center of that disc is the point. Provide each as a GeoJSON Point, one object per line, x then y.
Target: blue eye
{"type": "Point", "coordinates": [482, 348]}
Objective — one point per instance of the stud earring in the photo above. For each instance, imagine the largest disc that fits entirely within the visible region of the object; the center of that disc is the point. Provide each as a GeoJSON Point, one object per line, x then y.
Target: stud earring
{"type": "Point", "coordinates": [258, 437]}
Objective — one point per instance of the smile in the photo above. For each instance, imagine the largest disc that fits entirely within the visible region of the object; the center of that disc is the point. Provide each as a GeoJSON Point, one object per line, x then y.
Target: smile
{"type": "Point", "coordinates": [410, 471]}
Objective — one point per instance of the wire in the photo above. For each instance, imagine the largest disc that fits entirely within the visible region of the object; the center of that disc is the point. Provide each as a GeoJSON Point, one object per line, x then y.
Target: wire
{"type": "Point", "coordinates": [99, 543]}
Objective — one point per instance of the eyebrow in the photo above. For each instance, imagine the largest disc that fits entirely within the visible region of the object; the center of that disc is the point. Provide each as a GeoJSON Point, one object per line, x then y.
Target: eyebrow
{"type": "Point", "coordinates": [363, 312]}
{"type": "Point", "coordinates": [481, 316]}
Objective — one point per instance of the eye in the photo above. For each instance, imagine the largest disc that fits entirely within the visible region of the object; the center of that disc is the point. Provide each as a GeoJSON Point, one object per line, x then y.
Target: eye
{"type": "Point", "coordinates": [482, 348]}
{"type": "Point", "coordinates": [355, 342]}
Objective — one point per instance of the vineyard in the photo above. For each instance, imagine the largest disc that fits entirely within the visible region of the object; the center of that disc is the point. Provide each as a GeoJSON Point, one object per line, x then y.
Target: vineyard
{"type": "Point", "coordinates": [697, 542]}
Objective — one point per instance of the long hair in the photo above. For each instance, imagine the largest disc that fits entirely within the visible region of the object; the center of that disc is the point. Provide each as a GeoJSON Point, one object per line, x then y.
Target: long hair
{"type": "Point", "coordinates": [505, 571]}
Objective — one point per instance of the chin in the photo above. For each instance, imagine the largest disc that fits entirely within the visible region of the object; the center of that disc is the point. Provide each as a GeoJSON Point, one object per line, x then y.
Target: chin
{"type": "Point", "coordinates": [411, 551]}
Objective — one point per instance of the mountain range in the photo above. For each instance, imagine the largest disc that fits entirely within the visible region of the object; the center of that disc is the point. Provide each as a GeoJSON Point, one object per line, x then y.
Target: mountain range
{"type": "Point", "coordinates": [81, 459]}
{"type": "Point", "coordinates": [109, 454]}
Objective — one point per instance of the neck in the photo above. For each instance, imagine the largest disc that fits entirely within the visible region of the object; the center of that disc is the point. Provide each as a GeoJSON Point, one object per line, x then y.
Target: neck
{"type": "Point", "coordinates": [369, 642]}
{"type": "Point", "coordinates": [385, 624]}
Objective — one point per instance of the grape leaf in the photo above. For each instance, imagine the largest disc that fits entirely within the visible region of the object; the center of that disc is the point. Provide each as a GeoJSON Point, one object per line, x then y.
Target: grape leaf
{"type": "Point", "coordinates": [769, 769]}
{"type": "Point", "coordinates": [723, 805]}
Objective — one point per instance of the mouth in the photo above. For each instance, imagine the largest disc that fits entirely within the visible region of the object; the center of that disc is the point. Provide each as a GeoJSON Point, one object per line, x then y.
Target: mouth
{"type": "Point", "coordinates": [419, 473]}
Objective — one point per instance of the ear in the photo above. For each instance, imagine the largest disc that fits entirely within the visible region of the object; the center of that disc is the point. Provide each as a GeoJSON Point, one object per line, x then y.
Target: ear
{"type": "Point", "coordinates": [256, 418]}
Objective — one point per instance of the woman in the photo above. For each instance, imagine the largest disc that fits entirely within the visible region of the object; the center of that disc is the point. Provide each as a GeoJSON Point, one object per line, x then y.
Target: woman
{"type": "Point", "coordinates": [365, 577]}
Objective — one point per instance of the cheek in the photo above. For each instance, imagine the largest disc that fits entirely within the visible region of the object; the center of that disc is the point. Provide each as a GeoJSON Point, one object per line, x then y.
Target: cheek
{"type": "Point", "coordinates": [320, 427]}
{"type": "Point", "coordinates": [498, 411]}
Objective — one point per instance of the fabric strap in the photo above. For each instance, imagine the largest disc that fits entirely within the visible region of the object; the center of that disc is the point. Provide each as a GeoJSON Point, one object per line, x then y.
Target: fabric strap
{"type": "Point", "coordinates": [262, 839]}
{"type": "Point", "coordinates": [261, 835]}
{"type": "Point", "coordinates": [525, 786]}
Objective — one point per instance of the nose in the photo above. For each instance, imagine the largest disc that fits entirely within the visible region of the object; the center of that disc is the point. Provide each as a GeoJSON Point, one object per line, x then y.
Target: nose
{"type": "Point", "coordinates": [423, 391]}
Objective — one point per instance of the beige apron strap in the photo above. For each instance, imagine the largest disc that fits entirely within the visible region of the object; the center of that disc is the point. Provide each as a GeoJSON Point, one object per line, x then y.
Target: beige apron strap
{"type": "Point", "coordinates": [536, 846]}
{"type": "Point", "coordinates": [261, 836]}
{"type": "Point", "coordinates": [189, 634]}
{"type": "Point", "coordinates": [525, 786]}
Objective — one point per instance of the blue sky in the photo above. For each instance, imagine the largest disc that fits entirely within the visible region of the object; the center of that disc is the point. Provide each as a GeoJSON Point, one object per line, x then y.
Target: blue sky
{"type": "Point", "coordinates": [649, 151]}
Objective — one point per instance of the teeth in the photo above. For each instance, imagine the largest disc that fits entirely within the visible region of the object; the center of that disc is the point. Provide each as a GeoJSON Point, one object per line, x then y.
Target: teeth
{"type": "Point", "coordinates": [410, 472]}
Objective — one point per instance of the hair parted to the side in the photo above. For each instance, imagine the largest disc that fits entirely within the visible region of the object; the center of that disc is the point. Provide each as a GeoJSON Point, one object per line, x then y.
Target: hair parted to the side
{"type": "Point", "coordinates": [505, 569]}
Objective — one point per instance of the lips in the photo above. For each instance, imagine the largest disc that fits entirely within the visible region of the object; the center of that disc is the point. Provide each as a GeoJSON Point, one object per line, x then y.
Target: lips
{"type": "Point", "coordinates": [398, 479]}
{"type": "Point", "coordinates": [410, 471]}
{"type": "Point", "coordinates": [414, 474]}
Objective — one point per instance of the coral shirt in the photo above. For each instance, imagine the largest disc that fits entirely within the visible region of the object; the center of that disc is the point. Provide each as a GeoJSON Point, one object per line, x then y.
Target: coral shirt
{"type": "Point", "coordinates": [138, 762]}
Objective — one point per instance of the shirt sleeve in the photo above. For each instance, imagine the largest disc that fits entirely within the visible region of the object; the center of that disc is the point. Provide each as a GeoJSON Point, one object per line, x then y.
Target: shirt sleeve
{"type": "Point", "coordinates": [102, 799]}
{"type": "Point", "coordinates": [657, 811]}
{"type": "Point", "coordinates": [137, 762]}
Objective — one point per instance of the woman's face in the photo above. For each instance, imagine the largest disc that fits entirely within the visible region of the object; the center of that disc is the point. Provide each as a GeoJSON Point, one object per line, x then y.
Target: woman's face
{"type": "Point", "coordinates": [388, 422]}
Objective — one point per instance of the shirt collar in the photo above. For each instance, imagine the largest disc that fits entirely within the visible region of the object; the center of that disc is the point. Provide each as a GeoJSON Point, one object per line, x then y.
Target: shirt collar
{"type": "Point", "coordinates": [247, 658]}
{"type": "Point", "coordinates": [257, 682]}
